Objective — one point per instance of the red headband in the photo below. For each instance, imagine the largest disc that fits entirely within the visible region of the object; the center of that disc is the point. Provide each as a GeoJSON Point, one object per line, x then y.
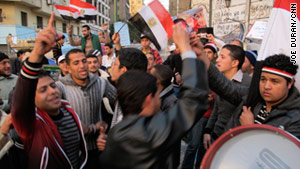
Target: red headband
{"type": "Point", "coordinates": [277, 72]}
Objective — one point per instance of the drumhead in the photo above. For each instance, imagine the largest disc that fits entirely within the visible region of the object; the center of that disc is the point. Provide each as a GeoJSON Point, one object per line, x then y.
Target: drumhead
{"type": "Point", "coordinates": [254, 147]}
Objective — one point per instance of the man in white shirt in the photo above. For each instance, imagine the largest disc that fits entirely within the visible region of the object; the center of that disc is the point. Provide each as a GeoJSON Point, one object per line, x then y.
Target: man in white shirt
{"type": "Point", "coordinates": [110, 55]}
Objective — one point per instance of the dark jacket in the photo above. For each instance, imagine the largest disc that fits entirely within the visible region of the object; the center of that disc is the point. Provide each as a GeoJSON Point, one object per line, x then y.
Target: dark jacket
{"type": "Point", "coordinates": [16, 66]}
{"type": "Point", "coordinates": [285, 115]}
{"type": "Point", "coordinates": [222, 111]}
{"type": "Point", "coordinates": [175, 63]}
{"type": "Point", "coordinates": [41, 138]}
{"type": "Point", "coordinates": [57, 51]}
{"type": "Point", "coordinates": [146, 142]}
{"type": "Point", "coordinates": [168, 99]}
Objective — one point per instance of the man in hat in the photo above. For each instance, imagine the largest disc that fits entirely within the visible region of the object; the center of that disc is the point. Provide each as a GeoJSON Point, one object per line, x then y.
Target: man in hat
{"type": "Point", "coordinates": [250, 61]}
{"type": "Point", "coordinates": [211, 50]}
{"type": "Point", "coordinates": [62, 65]}
{"type": "Point", "coordinates": [145, 41]}
{"type": "Point", "coordinates": [7, 81]}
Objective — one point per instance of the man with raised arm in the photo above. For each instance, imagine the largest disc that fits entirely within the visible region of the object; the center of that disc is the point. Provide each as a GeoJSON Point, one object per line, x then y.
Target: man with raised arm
{"type": "Point", "coordinates": [49, 128]}
{"type": "Point", "coordinates": [146, 137]}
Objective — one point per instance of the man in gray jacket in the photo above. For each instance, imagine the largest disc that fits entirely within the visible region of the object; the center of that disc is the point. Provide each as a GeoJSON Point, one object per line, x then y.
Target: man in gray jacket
{"type": "Point", "coordinates": [85, 91]}
{"type": "Point", "coordinates": [229, 62]}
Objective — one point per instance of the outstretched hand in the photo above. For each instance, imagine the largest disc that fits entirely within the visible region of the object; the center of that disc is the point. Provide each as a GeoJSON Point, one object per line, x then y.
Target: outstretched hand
{"type": "Point", "coordinates": [44, 41]}
{"type": "Point", "coordinates": [181, 38]}
{"type": "Point", "coordinates": [197, 47]}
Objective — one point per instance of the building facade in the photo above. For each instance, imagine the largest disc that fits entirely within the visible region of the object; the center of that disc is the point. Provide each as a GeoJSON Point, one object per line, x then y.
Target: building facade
{"type": "Point", "coordinates": [24, 18]}
{"type": "Point", "coordinates": [176, 6]}
{"type": "Point", "coordinates": [119, 10]}
{"type": "Point", "coordinates": [235, 19]}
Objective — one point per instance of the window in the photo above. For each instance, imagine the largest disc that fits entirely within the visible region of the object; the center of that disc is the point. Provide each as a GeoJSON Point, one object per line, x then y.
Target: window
{"type": "Point", "coordinates": [64, 28]}
{"type": "Point", "coordinates": [1, 20]}
{"type": "Point", "coordinates": [39, 21]}
{"type": "Point", "coordinates": [24, 18]}
{"type": "Point", "coordinates": [78, 31]}
{"type": "Point", "coordinates": [95, 3]}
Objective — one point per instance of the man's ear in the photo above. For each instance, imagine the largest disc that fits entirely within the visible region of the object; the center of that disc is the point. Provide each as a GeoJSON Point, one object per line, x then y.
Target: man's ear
{"type": "Point", "coordinates": [69, 68]}
{"type": "Point", "coordinates": [235, 63]}
{"type": "Point", "coordinates": [147, 106]}
{"type": "Point", "coordinates": [147, 101]}
{"type": "Point", "coordinates": [124, 69]}
{"type": "Point", "coordinates": [291, 84]}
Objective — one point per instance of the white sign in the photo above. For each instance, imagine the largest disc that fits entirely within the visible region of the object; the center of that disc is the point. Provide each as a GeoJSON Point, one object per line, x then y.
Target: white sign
{"type": "Point", "coordinates": [123, 30]}
{"type": "Point", "coordinates": [257, 30]}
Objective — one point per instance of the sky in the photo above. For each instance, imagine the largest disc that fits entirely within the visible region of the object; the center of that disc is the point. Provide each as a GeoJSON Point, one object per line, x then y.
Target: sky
{"type": "Point", "coordinates": [164, 2]}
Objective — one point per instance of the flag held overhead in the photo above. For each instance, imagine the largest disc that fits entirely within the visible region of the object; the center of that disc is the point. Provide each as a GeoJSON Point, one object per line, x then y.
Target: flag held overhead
{"type": "Point", "coordinates": [68, 13]}
{"type": "Point", "coordinates": [155, 22]}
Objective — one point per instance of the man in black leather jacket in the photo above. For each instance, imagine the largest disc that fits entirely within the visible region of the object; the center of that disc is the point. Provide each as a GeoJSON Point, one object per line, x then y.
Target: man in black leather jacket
{"type": "Point", "coordinates": [145, 137]}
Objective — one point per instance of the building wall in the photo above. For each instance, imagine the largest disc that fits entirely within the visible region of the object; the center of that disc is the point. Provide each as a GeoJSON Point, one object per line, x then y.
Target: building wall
{"type": "Point", "coordinates": [13, 24]}
{"type": "Point", "coordinates": [135, 5]}
{"type": "Point", "coordinates": [175, 8]}
{"type": "Point", "coordinates": [227, 22]}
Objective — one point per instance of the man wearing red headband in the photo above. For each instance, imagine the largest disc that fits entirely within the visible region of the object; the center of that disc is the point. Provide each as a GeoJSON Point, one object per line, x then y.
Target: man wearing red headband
{"type": "Point", "coordinates": [278, 102]}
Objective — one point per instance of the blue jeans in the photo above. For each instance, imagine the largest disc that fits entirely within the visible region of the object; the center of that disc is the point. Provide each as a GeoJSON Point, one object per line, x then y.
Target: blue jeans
{"type": "Point", "coordinates": [195, 145]}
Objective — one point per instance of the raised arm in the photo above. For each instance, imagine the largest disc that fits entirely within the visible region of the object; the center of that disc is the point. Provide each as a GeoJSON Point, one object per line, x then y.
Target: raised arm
{"type": "Point", "coordinates": [23, 105]}
{"type": "Point", "coordinates": [72, 41]}
{"type": "Point", "coordinates": [192, 103]}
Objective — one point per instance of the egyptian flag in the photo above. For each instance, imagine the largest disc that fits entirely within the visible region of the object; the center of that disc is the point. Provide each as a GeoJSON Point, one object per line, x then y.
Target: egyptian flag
{"type": "Point", "coordinates": [67, 13]}
{"type": "Point", "coordinates": [280, 37]}
{"type": "Point", "coordinates": [155, 22]}
{"type": "Point", "coordinates": [87, 11]}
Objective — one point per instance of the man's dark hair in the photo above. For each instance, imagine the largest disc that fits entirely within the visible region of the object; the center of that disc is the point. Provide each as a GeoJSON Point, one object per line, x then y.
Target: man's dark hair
{"type": "Point", "coordinates": [20, 52]}
{"type": "Point", "coordinates": [281, 62]}
{"type": "Point", "coordinates": [132, 89]}
{"type": "Point", "coordinates": [109, 45]}
{"type": "Point", "coordinates": [71, 52]}
{"type": "Point", "coordinates": [44, 73]}
{"type": "Point", "coordinates": [237, 53]}
{"type": "Point", "coordinates": [63, 37]}
{"type": "Point", "coordinates": [133, 59]}
{"type": "Point", "coordinates": [86, 26]}
{"type": "Point", "coordinates": [164, 74]}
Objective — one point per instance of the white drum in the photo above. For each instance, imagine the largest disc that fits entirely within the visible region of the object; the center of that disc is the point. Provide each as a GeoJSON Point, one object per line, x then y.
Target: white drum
{"type": "Point", "coordinates": [255, 146]}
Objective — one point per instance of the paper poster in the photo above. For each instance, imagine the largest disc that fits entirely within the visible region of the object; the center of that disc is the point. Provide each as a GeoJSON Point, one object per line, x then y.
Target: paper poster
{"type": "Point", "coordinates": [123, 30]}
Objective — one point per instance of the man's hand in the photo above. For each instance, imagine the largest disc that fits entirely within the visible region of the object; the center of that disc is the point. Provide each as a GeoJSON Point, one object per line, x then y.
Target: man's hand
{"type": "Point", "coordinates": [198, 49]}
{"type": "Point", "coordinates": [246, 116]}
{"type": "Point", "coordinates": [105, 27]}
{"type": "Point", "coordinates": [100, 124]}
{"type": "Point", "coordinates": [101, 141]}
{"type": "Point", "coordinates": [181, 38]}
{"type": "Point", "coordinates": [178, 79]}
{"type": "Point", "coordinates": [69, 31]}
{"type": "Point", "coordinates": [7, 124]}
{"type": "Point", "coordinates": [206, 140]}
{"type": "Point", "coordinates": [210, 37]}
{"type": "Point", "coordinates": [44, 41]}
{"type": "Point", "coordinates": [116, 40]}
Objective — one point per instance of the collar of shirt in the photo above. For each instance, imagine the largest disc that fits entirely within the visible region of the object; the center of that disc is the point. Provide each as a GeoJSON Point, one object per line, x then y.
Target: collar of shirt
{"type": "Point", "coordinates": [238, 76]}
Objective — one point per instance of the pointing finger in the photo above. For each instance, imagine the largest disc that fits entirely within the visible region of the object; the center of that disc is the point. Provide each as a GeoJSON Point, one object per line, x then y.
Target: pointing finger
{"type": "Point", "coordinates": [51, 20]}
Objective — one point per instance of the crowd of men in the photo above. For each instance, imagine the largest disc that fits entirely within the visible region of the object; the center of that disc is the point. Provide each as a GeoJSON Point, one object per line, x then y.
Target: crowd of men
{"type": "Point", "coordinates": [114, 107]}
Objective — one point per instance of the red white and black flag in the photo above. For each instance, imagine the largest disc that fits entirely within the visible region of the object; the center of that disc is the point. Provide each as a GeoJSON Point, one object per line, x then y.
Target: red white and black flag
{"type": "Point", "coordinates": [87, 11]}
{"type": "Point", "coordinates": [155, 22]}
{"type": "Point", "coordinates": [68, 13]}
